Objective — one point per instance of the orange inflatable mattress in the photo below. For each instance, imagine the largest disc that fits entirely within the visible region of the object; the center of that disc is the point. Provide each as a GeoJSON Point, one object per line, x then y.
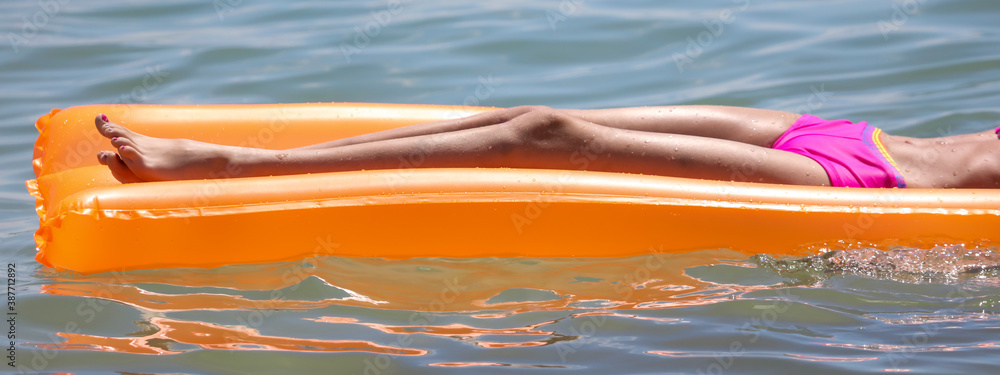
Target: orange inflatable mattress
{"type": "Point", "coordinates": [91, 223]}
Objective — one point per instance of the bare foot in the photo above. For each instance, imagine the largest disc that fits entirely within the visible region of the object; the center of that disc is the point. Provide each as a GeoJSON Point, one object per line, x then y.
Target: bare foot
{"type": "Point", "coordinates": [117, 167]}
{"type": "Point", "coordinates": [144, 158]}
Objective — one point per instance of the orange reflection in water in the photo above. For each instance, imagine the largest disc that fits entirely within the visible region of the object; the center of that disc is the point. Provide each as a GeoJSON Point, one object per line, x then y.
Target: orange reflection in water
{"type": "Point", "coordinates": [659, 297]}
{"type": "Point", "coordinates": [451, 330]}
{"type": "Point", "coordinates": [172, 332]}
{"type": "Point", "coordinates": [473, 288]}
{"type": "Point", "coordinates": [463, 332]}
{"type": "Point", "coordinates": [159, 302]}
{"type": "Point", "coordinates": [414, 285]}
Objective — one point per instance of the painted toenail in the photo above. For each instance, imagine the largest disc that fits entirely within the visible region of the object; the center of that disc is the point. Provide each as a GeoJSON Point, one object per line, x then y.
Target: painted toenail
{"type": "Point", "coordinates": [114, 139]}
{"type": "Point", "coordinates": [122, 147]}
{"type": "Point", "coordinates": [104, 117]}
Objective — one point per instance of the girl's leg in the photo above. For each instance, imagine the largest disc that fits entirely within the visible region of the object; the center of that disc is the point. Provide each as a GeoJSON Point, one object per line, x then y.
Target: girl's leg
{"type": "Point", "coordinates": [759, 127]}
{"type": "Point", "coordinates": [475, 121]}
{"type": "Point", "coordinates": [537, 139]}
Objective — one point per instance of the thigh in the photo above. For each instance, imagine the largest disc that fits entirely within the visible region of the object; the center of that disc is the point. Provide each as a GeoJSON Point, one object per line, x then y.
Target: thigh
{"type": "Point", "coordinates": [759, 127]}
{"type": "Point", "coordinates": [741, 162]}
{"type": "Point", "coordinates": [555, 140]}
{"type": "Point", "coordinates": [719, 159]}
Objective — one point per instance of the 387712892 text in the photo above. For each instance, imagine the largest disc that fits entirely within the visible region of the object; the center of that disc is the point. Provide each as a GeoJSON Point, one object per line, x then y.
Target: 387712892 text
{"type": "Point", "coordinates": [11, 313]}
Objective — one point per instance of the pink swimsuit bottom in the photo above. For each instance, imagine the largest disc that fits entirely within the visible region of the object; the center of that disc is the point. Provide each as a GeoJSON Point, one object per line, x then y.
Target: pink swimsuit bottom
{"type": "Point", "coordinates": [851, 154]}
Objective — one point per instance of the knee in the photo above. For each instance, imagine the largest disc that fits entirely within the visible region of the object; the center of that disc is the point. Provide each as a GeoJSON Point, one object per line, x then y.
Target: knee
{"type": "Point", "coordinates": [541, 124]}
{"type": "Point", "coordinates": [522, 109]}
{"type": "Point", "coordinates": [515, 112]}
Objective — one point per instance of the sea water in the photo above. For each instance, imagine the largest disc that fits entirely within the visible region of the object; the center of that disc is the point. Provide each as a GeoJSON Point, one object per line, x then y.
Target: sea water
{"type": "Point", "coordinates": [912, 67]}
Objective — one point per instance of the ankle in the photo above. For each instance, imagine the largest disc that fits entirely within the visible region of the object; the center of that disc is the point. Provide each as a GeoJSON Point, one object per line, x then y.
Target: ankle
{"type": "Point", "coordinates": [225, 162]}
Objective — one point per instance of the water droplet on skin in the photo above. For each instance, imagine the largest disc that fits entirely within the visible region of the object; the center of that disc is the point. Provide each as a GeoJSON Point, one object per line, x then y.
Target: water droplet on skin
{"type": "Point", "coordinates": [954, 173]}
{"type": "Point", "coordinates": [282, 156]}
{"type": "Point", "coordinates": [952, 150]}
{"type": "Point", "coordinates": [675, 148]}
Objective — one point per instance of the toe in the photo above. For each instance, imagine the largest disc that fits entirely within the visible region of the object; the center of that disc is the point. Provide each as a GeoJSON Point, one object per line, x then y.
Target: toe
{"type": "Point", "coordinates": [128, 154]}
{"type": "Point", "coordinates": [103, 125]}
{"type": "Point", "coordinates": [104, 156]}
{"type": "Point", "coordinates": [100, 119]}
{"type": "Point", "coordinates": [118, 142]}
{"type": "Point", "coordinates": [109, 129]}
{"type": "Point", "coordinates": [120, 171]}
